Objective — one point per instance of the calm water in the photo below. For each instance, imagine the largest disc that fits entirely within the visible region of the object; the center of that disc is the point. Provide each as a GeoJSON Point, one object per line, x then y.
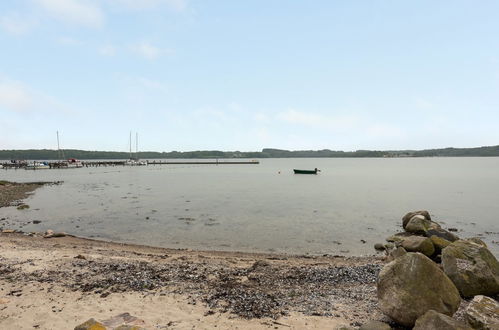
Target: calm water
{"type": "Point", "coordinates": [265, 207]}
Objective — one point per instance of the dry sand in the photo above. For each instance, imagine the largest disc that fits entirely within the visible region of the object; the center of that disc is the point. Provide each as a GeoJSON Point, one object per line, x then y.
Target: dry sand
{"type": "Point", "coordinates": [58, 283]}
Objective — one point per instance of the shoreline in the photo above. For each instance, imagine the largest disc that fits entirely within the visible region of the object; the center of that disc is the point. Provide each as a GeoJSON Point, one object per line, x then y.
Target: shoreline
{"type": "Point", "coordinates": [73, 279]}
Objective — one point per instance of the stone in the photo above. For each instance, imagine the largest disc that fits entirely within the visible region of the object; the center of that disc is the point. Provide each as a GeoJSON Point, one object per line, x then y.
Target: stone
{"type": "Point", "coordinates": [375, 325]}
{"type": "Point", "coordinates": [442, 233]}
{"type": "Point", "coordinates": [411, 285]}
{"type": "Point", "coordinates": [90, 324]}
{"type": "Point", "coordinates": [409, 215]}
{"type": "Point", "coordinates": [418, 224]}
{"type": "Point", "coordinates": [439, 243]}
{"type": "Point", "coordinates": [398, 252]}
{"type": "Point", "coordinates": [398, 238]}
{"type": "Point", "coordinates": [472, 267]}
{"type": "Point", "coordinates": [477, 241]}
{"type": "Point", "coordinates": [483, 313]}
{"type": "Point", "coordinates": [379, 246]}
{"type": "Point", "coordinates": [128, 327]}
{"type": "Point", "coordinates": [432, 320]}
{"type": "Point", "coordinates": [419, 244]}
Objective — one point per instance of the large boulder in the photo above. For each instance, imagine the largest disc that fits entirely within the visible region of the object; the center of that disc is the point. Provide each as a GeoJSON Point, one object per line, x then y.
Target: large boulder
{"type": "Point", "coordinates": [432, 320]}
{"type": "Point", "coordinates": [419, 244]}
{"type": "Point", "coordinates": [472, 267]}
{"type": "Point", "coordinates": [418, 224]}
{"type": "Point", "coordinates": [439, 243]}
{"type": "Point", "coordinates": [408, 216]}
{"type": "Point", "coordinates": [442, 233]}
{"type": "Point", "coordinates": [411, 285]}
{"type": "Point", "coordinates": [483, 313]}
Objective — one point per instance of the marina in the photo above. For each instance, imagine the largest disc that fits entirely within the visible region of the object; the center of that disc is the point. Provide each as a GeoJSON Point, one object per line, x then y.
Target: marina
{"type": "Point", "coordinates": [103, 163]}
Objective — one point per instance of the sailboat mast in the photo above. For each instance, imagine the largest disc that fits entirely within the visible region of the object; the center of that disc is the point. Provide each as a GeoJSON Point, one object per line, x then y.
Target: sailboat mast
{"type": "Point", "coordinates": [136, 145]}
{"type": "Point", "coordinates": [58, 147]}
{"type": "Point", "coordinates": [130, 144]}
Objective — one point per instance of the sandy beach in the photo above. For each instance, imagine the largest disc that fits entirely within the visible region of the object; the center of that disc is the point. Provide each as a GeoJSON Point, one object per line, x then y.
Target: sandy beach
{"type": "Point", "coordinates": [58, 283]}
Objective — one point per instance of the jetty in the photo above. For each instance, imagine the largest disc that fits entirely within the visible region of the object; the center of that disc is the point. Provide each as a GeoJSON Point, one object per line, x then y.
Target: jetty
{"type": "Point", "coordinates": [105, 163]}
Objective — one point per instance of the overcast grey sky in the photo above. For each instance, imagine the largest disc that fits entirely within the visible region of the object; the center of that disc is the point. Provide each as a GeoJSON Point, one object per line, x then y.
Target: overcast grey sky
{"type": "Point", "coordinates": [244, 75]}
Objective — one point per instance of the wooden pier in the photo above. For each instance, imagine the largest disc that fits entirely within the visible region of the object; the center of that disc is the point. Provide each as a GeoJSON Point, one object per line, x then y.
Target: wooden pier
{"type": "Point", "coordinates": [105, 163]}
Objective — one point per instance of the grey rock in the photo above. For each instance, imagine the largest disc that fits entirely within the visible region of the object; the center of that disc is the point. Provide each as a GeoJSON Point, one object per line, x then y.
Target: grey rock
{"type": "Point", "coordinates": [408, 216]}
{"type": "Point", "coordinates": [432, 320]}
{"type": "Point", "coordinates": [411, 285]}
{"type": "Point", "coordinates": [442, 233]}
{"type": "Point", "coordinates": [419, 244]}
{"type": "Point", "coordinates": [418, 224]}
{"type": "Point", "coordinates": [483, 313]}
{"type": "Point", "coordinates": [472, 267]}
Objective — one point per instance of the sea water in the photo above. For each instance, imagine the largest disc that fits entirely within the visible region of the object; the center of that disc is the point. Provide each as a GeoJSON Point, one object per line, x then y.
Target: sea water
{"type": "Point", "coordinates": [265, 207]}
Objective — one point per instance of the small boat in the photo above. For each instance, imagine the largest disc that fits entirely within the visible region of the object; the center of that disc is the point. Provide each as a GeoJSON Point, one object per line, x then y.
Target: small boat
{"type": "Point", "coordinates": [314, 171]}
{"type": "Point", "coordinates": [37, 166]}
{"type": "Point", "coordinates": [73, 163]}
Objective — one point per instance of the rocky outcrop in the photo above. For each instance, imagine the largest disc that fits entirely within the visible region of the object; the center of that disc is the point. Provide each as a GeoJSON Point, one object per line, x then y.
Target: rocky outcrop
{"type": "Point", "coordinates": [375, 325]}
{"type": "Point", "coordinates": [483, 313]}
{"type": "Point", "coordinates": [408, 216]}
{"type": "Point", "coordinates": [419, 244]}
{"type": "Point", "coordinates": [432, 320]}
{"type": "Point", "coordinates": [411, 285]}
{"type": "Point", "coordinates": [472, 267]}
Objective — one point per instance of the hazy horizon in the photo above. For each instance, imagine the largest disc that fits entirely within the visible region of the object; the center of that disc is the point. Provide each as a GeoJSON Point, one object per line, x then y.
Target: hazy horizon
{"type": "Point", "coordinates": [224, 75]}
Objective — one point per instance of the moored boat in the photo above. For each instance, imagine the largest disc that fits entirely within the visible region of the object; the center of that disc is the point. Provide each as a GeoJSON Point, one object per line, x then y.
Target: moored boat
{"type": "Point", "coordinates": [37, 166]}
{"type": "Point", "coordinates": [314, 171]}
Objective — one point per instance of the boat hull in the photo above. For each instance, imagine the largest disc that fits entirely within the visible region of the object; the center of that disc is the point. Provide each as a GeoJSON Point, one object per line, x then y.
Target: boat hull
{"type": "Point", "coordinates": [305, 171]}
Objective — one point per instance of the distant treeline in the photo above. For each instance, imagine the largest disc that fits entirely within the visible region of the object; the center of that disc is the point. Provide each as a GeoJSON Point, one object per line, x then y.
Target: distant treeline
{"type": "Point", "coordinates": [46, 154]}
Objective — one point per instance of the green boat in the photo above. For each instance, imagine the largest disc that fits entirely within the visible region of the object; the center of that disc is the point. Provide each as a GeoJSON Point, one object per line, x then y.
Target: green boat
{"type": "Point", "coordinates": [314, 171]}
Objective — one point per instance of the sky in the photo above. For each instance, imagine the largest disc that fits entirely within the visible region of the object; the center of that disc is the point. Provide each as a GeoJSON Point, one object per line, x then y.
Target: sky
{"type": "Point", "coordinates": [246, 75]}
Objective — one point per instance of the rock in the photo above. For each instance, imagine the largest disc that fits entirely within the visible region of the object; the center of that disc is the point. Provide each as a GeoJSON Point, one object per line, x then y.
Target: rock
{"type": "Point", "coordinates": [398, 252]}
{"type": "Point", "coordinates": [398, 238]}
{"type": "Point", "coordinates": [80, 256]}
{"type": "Point", "coordinates": [472, 267]}
{"type": "Point", "coordinates": [411, 285]}
{"type": "Point", "coordinates": [49, 232]}
{"type": "Point", "coordinates": [23, 207]}
{"type": "Point", "coordinates": [379, 246]}
{"type": "Point", "coordinates": [419, 244]}
{"type": "Point", "coordinates": [91, 324]}
{"type": "Point", "coordinates": [483, 313]}
{"type": "Point", "coordinates": [453, 229]}
{"type": "Point", "coordinates": [389, 246]}
{"type": "Point", "coordinates": [8, 231]}
{"type": "Point", "coordinates": [128, 327]}
{"type": "Point", "coordinates": [432, 320]}
{"type": "Point", "coordinates": [442, 233]}
{"type": "Point", "coordinates": [375, 325]}
{"type": "Point", "coordinates": [418, 224]}
{"type": "Point", "coordinates": [477, 241]}
{"type": "Point", "coordinates": [409, 215]}
{"type": "Point", "coordinates": [35, 222]}
{"type": "Point", "coordinates": [439, 243]}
